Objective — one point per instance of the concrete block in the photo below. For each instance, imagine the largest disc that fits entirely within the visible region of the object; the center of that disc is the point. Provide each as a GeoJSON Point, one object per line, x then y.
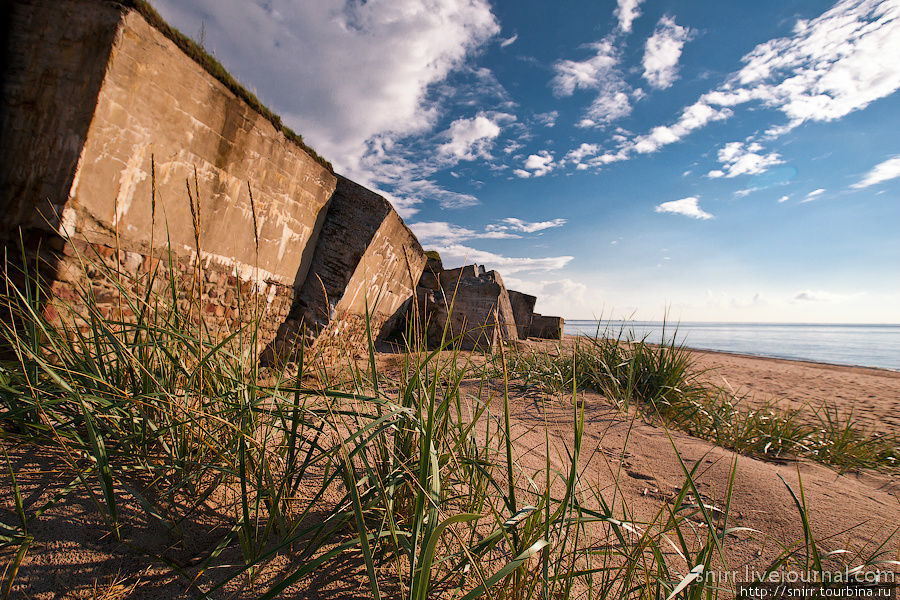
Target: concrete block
{"type": "Point", "coordinates": [523, 311]}
{"type": "Point", "coordinates": [547, 328]}
{"type": "Point", "coordinates": [474, 303]}
{"type": "Point", "coordinates": [366, 256]}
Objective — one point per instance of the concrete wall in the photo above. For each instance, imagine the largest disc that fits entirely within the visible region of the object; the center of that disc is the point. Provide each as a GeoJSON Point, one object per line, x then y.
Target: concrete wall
{"type": "Point", "coordinates": [92, 94]}
{"type": "Point", "coordinates": [54, 60]}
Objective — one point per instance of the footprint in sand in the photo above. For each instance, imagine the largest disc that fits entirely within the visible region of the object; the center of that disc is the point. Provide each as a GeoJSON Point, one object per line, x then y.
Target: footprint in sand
{"type": "Point", "coordinates": [637, 475]}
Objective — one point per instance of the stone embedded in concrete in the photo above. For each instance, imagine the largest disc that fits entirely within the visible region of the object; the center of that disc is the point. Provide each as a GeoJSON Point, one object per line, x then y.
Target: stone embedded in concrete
{"type": "Point", "coordinates": [546, 328]}
{"type": "Point", "coordinates": [473, 304]}
{"type": "Point", "coordinates": [523, 312]}
{"type": "Point", "coordinates": [366, 258]}
{"type": "Point", "coordinates": [95, 100]}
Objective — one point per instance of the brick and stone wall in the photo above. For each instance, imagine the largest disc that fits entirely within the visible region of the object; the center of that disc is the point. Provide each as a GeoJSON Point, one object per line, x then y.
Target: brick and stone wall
{"type": "Point", "coordinates": [224, 301]}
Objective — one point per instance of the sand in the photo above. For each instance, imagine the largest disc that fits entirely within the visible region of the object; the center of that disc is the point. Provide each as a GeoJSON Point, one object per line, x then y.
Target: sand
{"type": "Point", "coordinates": [634, 465]}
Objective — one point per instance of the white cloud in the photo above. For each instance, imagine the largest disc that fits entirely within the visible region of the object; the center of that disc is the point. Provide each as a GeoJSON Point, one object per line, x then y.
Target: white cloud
{"type": "Point", "coordinates": [608, 106]}
{"type": "Point", "coordinates": [563, 297]}
{"type": "Point", "coordinates": [511, 146]}
{"type": "Point", "coordinates": [692, 117]}
{"type": "Point", "coordinates": [447, 233]}
{"type": "Point", "coordinates": [442, 232]}
{"type": "Point", "coordinates": [351, 99]}
{"type": "Point", "coordinates": [813, 195]}
{"type": "Point", "coordinates": [784, 199]}
{"type": "Point", "coordinates": [884, 171]}
{"type": "Point", "coordinates": [662, 52]}
{"type": "Point", "coordinates": [823, 296]}
{"type": "Point", "coordinates": [686, 206]}
{"type": "Point", "coordinates": [547, 119]}
{"type": "Point", "coordinates": [832, 65]}
{"type": "Point", "coordinates": [470, 139]}
{"type": "Point", "coordinates": [583, 151]}
{"type": "Point", "coordinates": [458, 254]}
{"type": "Point", "coordinates": [521, 173]}
{"type": "Point", "coordinates": [528, 227]}
{"type": "Point", "coordinates": [509, 41]}
{"type": "Point", "coordinates": [627, 11]}
{"type": "Point", "coordinates": [739, 158]}
{"type": "Point", "coordinates": [538, 164]}
{"type": "Point", "coordinates": [587, 74]}
{"type": "Point", "coordinates": [600, 73]}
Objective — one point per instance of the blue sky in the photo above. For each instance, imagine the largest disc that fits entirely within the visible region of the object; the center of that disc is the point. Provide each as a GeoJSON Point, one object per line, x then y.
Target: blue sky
{"type": "Point", "coordinates": [724, 161]}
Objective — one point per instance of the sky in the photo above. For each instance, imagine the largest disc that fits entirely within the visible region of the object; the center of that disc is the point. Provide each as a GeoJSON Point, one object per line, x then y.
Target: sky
{"type": "Point", "coordinates": [702, 161]}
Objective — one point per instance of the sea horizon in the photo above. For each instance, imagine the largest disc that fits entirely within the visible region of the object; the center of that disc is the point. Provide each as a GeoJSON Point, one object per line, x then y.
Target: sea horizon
{"type": "Point", "coordinates": [873, 345]}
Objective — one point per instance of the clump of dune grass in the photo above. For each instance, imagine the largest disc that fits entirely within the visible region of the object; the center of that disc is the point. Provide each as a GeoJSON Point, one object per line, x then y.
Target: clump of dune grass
{"type": "Point", "coordinates": [411, 475]}
{"type": "Point", "coordinates": [663, 382]}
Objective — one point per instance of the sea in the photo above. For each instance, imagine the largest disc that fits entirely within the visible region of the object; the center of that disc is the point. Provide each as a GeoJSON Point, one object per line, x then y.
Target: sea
{"type": "Point", "coordinates": [861, 345]}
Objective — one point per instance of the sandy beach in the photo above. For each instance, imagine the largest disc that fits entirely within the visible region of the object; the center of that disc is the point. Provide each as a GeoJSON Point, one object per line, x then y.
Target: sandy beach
{"type": "Point", "coordinates": [632, 463]}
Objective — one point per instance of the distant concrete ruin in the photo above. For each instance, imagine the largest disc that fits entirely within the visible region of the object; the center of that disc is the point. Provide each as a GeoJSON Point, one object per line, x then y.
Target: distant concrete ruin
{"type": "Point", "coordinates": [523, 311]}
{"type": "Point", "coordinates": [123, 142]}
{"type": "Point", "coordinates": [547, 328]}
{"type": "Point", "coordinates": [472, 307]}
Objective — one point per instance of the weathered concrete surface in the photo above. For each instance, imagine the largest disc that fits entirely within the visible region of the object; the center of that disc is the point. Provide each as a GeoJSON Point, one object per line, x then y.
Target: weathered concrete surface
{"type": "Point", "coordinates": [472, 303]}
{"type": "Point", "coordinates": [92, 92]}
{"type": "Point", "coordinates": [54, 63]}
{"type": "Point", "coordinates": [523, 311]}
{"type": "Point", "coordinates": [366, 257]}
{"type": "Point", "coordinates": [546, 328]}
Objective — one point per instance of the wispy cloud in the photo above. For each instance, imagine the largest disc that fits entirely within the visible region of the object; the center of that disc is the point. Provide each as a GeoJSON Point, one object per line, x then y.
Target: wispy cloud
{"type": "Point", "coordinates": [884, 171]}
{"type": "Point", "coordinates": [738, 158]}
{"type": "Point", "coordinates": [458, 254]}
{"type": "Point", "coordinates": [516, 224]}
{"type": "Point", "coordinates": [832, 65]}
{"type": "Point", "coordinates": [688, 207]}
{"type": "Point", "coordinates": [662, 52]}
{"type": "Point", "coordinates": [598, 72]}
{"type": "Point", "coordinates": [509, 41]}
{"type": "Point", "coordinates": [823, 296]}
{"type": "Point", "coordinates": [442, 232]}
{"type": "Point", "coordinates": [447, 233]}
{"type": "Point", "coordinates": [626, 12]}
{"type": "Point", "coordinates": [547, 119]}
{"type": "Point", "coordinates": [813, 195]}
{"type": "Point", "coordinates": [693, 117]}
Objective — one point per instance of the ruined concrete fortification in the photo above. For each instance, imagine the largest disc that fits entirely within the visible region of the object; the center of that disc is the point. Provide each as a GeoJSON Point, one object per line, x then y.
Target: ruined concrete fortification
{"type": "Point", "coordinates": [523, 312]}
{"type": "Point", "coordinates": [122, 141]}
{"type": "Point", "coordinates": [472, 303]}
{"type": "Point", "coordinates": [548, 328]}
{"type": "Point", "coordinates": [367, 259]}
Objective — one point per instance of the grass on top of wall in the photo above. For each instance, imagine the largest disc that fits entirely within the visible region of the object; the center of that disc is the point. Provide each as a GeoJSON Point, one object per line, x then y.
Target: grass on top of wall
{"type": "Point", "coordinates": [215, 68]}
